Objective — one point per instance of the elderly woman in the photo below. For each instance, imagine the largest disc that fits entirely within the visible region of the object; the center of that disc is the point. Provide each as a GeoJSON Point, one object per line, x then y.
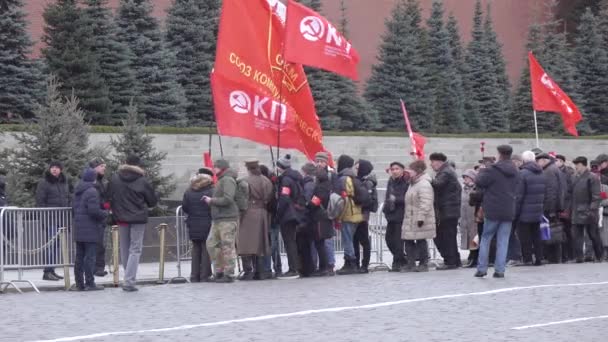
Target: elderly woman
{"type": "Point", "coordinates": [419, 220]}
{"type": "Point", "coordinates": [468, 224]}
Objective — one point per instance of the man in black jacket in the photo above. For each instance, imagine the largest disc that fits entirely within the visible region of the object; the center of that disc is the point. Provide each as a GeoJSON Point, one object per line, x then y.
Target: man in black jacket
{"type": "Point", "coordinates": [131, 194]}
{"type": "Point", "coordinates": [498, 183]}
{"type": "Point", "coordinates": [289, 210]}
{"type": "Point", "coordinates": [53, 191]}
{"type": "Point", "coordinates": [368, 179]}
{"type": "Point", "coordinates": [529, 208]}
{"type": "Point", "coordinates": [394, 211]}
{"type": "Point", "coordinates": [100, 185]}
{"type": "Point", "coordinates": [448, 197]}
{"type": "Point", "coordinates": [585, 209]}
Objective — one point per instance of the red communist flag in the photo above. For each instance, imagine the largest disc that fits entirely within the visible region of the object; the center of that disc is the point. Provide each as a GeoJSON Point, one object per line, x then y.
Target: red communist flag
{"type": "Point", "coordinates": [255, 92]}
{"type": "Point", "coordinates": [547, 96]}
{"type": "Point", "coordinates": [313, 40]}
{"type": "Point", "coordinates": [416, 140]}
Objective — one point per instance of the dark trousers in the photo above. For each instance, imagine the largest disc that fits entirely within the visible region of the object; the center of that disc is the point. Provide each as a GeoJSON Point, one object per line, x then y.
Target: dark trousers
{"type": "Point", "coordinates": [100, 260]}
{"type": "Point", "coordinates": [394, 242]}
{"type": "Point", "coordinates": [201, 262]}
{"type": "Point", "coordinates": [304, 242]}
{"type": "Point", "coordinates": [568, 244]}
{"type": "Point", "coordinates": [529, 237]}
{"type": "Point", "coordinates": [275, 247]}
{"type": "Point", "coordinates": [446, 241]}
{"type": "Point", "coordinates": [361, 237]}
{"type": "Point", "coordinates": [84, 265]}
{"type": "Point", "coordinates": [514, 251]}
{"type": "Point", "coordinates": [288, 232]}
{"type": "Point", "coordinates": [417, 248]}
{"type": "Point", "coordinates": [322, 253]}
{"type": "Point", "coordinates": [579, 236]}
{"type": "Point", "coordinates": [53, 250]}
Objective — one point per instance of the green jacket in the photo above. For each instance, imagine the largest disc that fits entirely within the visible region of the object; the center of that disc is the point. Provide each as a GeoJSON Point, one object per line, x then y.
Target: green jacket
{"type": "Point", "coordinates": [223, 206]}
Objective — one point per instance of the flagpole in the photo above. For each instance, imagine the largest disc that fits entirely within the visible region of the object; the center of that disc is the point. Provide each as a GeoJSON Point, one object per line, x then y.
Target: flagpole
{"type": "Point", "coordinates": [536, 129]}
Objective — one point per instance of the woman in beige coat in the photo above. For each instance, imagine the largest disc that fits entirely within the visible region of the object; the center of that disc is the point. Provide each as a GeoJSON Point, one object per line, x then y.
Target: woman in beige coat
{"type": "Point", "coordinates": [419, 220]}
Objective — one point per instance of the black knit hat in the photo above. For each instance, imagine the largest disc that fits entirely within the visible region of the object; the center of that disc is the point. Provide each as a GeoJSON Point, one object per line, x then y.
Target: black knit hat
{"type": "Point", "coordinates": [133, 160]}
{"type": "Point", "coordinates": [205, 171]}
{"type": "Point", "coordinates": [345, 162]}
{"type": "Point", "coordinates": [57, 164]}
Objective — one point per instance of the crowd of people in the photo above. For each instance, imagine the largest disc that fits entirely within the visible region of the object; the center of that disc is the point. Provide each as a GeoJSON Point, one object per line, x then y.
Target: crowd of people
{"type": "Point", "coordinates": [521, 210]}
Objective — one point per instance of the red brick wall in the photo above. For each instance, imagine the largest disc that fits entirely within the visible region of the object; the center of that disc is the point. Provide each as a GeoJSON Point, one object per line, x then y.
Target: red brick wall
{"type": "Point", "coordinates": [511, 18]}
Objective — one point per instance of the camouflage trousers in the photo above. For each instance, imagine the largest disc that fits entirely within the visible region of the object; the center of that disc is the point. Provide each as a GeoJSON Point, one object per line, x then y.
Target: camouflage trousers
{"type": "Point", "coordinates": [221, 246]}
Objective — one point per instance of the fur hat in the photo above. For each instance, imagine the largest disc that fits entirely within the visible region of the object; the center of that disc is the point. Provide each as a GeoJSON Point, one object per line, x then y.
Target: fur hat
{"type": "Point", "coordinates": [57, 164]}
{"type": "Point", "coordinates": [133, 160]}
{"type": "Point", "coordinates": [419, 166]}
{"type": "Point", "coordinates": [222, 164]}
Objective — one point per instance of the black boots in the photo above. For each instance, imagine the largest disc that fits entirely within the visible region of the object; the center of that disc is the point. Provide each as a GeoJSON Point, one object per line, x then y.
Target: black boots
{"type": "Point", "coordinates": [348, 268]}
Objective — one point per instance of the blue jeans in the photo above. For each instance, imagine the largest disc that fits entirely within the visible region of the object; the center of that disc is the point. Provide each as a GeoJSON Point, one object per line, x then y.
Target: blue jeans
{"type": "Point", "coordinates": [84, 265]}
{"type": "Point", "coordinates": [348, 232]}
{"type": "Point", "coordinates": [331, 252]}
{"type": "Point", "coordinates": [502, 230]}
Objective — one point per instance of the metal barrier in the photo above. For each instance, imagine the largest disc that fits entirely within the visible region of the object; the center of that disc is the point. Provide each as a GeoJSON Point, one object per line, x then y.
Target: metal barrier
{"type": "Point", "coordinates": [30, 238]}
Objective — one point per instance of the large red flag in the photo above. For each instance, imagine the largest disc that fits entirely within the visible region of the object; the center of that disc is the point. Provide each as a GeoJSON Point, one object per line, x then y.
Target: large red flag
{"type": "Point", "coordinates": [313, 40]}
{"type": "Point", "coordinates": [547, 96]}
{"type": "Point", "coordinates": [255, 92]}
{"type": "Point", "coordinates": [416, 140]}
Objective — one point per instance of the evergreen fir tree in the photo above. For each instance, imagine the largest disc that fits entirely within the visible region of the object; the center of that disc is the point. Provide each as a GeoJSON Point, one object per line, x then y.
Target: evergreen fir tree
{"type": "Point", "coordinates": [455, 43]}
{"type": "Point", "coordinates": [114, 58]}
{"type": "Point", "coordinates": [134, 140]}
{"type": "Point", "coordinates": [445, 80]}
{"type": "Point", "coordinates": [521, 118]}
{"type": "Point", "coordinates": [592, 72]}
{"type": "Point", "coordinates": [191, 31]}
{"type": "Point", "coordinates": [58, 133]}
{"type": "Point", "coordinates": [481, 81]}
{"type": "Point", "coordinates": [557, 58]}
{"type": "Point", "coordinates": [400, 72]}
{"type": "Point", "coordinates": [20, 80]}
{"type": "Point", "coordinates": [162, 99]}
{"type": "Point", "coordinates": [499, 117]}
{"type": "Point", "coordinates": [68, 55]}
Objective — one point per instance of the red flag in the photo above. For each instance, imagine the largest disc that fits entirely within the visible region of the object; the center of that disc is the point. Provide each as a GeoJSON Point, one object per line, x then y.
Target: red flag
{"type": "Point", "coordinates": [208, 163]}
{"type": "Point", "coordinates": [254, 90]}
{"type": "Point", "coordinates": [547, 96]}
{"type": "Point", "coordinates": [313, 40]}
{"type": "Point", "coordinates": [416, 140]}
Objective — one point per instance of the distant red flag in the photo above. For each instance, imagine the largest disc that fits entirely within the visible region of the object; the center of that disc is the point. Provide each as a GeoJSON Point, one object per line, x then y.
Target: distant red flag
{"type": "Point", "coordinates": [417, 141]}
{"type": "Point", "coordinates": [547, 96]}
{"type": "Point", "coordinates": [313, 40]}
{"type": "Point", "coordinates": [208, 163]}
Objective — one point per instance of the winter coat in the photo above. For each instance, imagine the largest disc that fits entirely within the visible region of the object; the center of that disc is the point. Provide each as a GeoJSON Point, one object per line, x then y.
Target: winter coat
{"type": "Point", "coordinates": [352, 212]}
{"type": "Point", "coordinates": [604, 176]}
{"type": "Point", "coordinates": [419, 201]}
{"type": "Point", "coordinates": [223, 204]}
{"type": "Point", "coordinates": [585, 198]}
{"type": "Point", "coordinates": [568, 175]}
{"type": "Point", "coordinates": [53, 192]}
{"type": "Point", "coordinates": [319, 224]}
{"type": "Point", "coordinates": [555, 190]}
{"type": "Point", "coordinates": [468, 225]}
{"type": "Point", "coordinates": [448, 193]}
{"type": "Point", "coordinates": [530, 194]}
{"type": "Point", "coordinates": [498, 183]}
{"type": "Point", "coordinates": [394, 210]}
{"type": "Point", "coordinates": [102, 188]}
{"type": "Point", "coordinates": [130, 195]}
{"type": "Point", "coordinates": [370, 183]}
{"type": "Point", "coordinates": [288, 208]}
{"type": "Point", "coordinates": [198, 219]}
{"type": "Point", "coordinates": [255, 222]}
{"type": "Point", "coordinates": [89, 218]}
{"type": "Point", "coordinates": [604, 226]}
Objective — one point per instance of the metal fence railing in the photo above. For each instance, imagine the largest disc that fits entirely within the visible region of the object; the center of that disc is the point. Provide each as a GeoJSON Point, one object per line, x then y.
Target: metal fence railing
{"type": "Point", "coordinates": [34, 238]}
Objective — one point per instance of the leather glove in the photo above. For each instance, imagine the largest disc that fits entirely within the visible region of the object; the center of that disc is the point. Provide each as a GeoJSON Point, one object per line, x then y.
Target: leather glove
{"type": "Point", "coordinates": [420, 224]}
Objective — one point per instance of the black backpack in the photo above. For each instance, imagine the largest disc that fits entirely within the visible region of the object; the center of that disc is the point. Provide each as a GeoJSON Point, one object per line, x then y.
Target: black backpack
{"type": "Point", "coordinates": [372, 205]}
{"type": "Point", "coordinates": [362, 195]}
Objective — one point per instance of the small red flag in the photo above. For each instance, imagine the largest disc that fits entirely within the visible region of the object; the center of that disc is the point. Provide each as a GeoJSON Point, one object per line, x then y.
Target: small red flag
{"type": "Point", "coordinates": [313, 40]}
{"type": "Point", "coordinates": [208, 163]}
{"type": "Point", "coordinates": [417, 141]}
{"type": "Point", "coordinates": [547, 96]}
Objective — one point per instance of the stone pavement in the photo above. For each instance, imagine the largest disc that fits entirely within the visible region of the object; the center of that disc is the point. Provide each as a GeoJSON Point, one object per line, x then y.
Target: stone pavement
{"type": "Point", "coordinates": [433, 306]}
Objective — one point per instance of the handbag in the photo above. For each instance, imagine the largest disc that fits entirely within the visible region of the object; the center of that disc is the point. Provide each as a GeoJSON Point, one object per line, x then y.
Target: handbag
{"type": "Point", "coordinates": [557, 232]}
{"type": "Point", "coordinates": [545, 229]}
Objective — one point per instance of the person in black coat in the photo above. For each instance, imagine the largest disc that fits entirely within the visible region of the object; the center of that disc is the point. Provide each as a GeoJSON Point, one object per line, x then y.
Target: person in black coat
{"type": "Point", "coordinates": [321, 226]}
{"type": "Point", "coordinates": [529, 209]}
{"type": "Point", "coordinates": [448, 197]}
{"type": "Point", "coordinates": [394, 212]}
{"type": "Point", "coordinates": [361, 237]}
{"type": "Point", "coordinates": [304, 234]}
{"type": "Point", "coordinates": [100, 168]}
{"type": "Point", "coordinates": [53, 191]}
{"type": "Point", "coordinates": [89, 220]}
{"type": "Point", "coordinates": [289, 210]}
{"type": "Point", "coordinates": [198, 221]}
